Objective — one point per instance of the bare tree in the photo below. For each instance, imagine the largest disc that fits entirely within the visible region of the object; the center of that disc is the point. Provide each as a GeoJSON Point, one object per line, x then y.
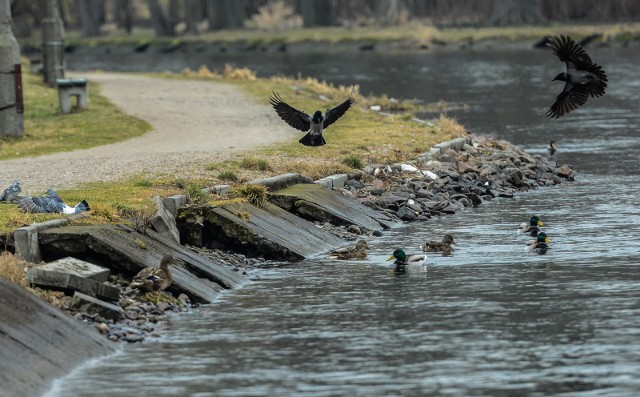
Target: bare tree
{"type": "Point", "coordinates": [162, 24]}
{"type": "Point", "coordinates": [123, 14]}
{"type": "Point", "coordinates": [90, 15]}
{"type": "Point", "coordinates": [317, 12]}
{"type": "Point", "coordinates": [516, 12]}
{"type": "Point", "coordinates": [225, 14]}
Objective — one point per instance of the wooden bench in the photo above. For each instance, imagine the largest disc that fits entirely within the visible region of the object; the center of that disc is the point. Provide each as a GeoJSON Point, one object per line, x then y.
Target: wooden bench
{"type": "Point", "coordinates": [73, 87]}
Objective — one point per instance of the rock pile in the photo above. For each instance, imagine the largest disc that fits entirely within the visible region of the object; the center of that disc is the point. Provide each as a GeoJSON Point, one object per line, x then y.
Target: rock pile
{"type": "Point", "coordinates": [444, 183]}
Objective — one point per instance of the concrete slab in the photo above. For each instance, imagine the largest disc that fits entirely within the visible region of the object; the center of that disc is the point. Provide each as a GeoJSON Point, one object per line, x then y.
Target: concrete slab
{"type": "Point", "coordinates": [32, 354]}
{"type": "Point", "coordinates": [90, 305]}
{"type": "Point", "coordinates": [282, 181]}
{"type": "Point", "coordinates": [316, 202]}
{"type": "Point", "coordinates": [77, 267]}
{"type": "Point", "coordinates": [49, 279]}
{"type": "Point", "coordinates": [123, 249]}
{"type": "Point", "coordinates": [164, 222]}
{"type": "Point", "coordinates": [267, 231]}
{"type": "Point", "coordinates": [26, 239]}
{"type": "Point", "coordinates": [336, 181]}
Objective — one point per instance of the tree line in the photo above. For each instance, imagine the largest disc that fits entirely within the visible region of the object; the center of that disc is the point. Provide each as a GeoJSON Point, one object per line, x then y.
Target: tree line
{"type": "Point", "coordinates": [174, 17]}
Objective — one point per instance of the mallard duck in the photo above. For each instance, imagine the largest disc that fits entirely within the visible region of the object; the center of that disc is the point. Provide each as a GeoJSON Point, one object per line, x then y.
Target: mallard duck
{"type": "Point", "coordinates": [357, 251]}
{"type": "Point", "coordinates": [583, 78]}
{"type": "Point", "coordinates": [152, 279]}
{"type": "Point", "coordinates": [532, 228]}
{"type": "Point", "coordinates": [314, 124]}
{"type": "Point", "coordinates": [445, 246]}
{"type": "Point", "coordinates": [540, 245]}
{"type": "Point", "coordinates": [403, 261]}
{"type": "Point", "coordinates": [551, 150]}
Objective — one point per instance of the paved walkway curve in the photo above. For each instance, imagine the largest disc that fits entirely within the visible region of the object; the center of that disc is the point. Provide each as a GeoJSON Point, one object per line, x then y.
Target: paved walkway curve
{"type": "Point", "coordinates": [194, 123]}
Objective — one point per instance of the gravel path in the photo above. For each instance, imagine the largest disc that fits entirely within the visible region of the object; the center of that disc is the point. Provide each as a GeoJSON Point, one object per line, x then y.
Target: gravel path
{"type": "Point", "coordinates": [194, 123]}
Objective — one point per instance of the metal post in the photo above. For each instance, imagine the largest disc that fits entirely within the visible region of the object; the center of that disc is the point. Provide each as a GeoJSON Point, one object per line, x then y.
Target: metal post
{"type": "Point", "coordinates": [52, 44]}
{"type": "Point", "coordinates": [11, 123]}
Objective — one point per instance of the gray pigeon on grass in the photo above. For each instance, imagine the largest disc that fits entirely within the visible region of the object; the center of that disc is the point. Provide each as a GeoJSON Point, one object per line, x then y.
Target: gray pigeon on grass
{"type": "Point", "coordinates": [51, 203]}
{"type": "Point", "coordinates": [11, 193]}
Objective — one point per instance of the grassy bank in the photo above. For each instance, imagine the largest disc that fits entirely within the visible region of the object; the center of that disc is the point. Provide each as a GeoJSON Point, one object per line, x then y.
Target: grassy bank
{"type": "Point", "coordinates": [411, 34]}
{"type": "Point", "coordinates": [362, 137]}
{"type": "Point", "coordinates": [49, 131]}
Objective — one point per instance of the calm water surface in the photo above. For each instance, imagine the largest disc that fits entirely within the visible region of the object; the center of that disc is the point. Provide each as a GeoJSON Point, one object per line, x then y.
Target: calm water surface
{"type": "Point", "coordinates": [488, 321]}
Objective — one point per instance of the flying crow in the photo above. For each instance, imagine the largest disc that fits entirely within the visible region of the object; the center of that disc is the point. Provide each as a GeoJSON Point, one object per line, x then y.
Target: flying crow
{"type": "Point", "coordinates": [312, 125]}
{"type": "Point", "coordinates": [583, 78]}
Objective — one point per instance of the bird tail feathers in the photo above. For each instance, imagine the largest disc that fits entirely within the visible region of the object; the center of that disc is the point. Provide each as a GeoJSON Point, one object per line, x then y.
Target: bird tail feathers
{"type": "Point", "coordinates": [309, 140]}
{"type": "Point", "coordinates": [82, 206]}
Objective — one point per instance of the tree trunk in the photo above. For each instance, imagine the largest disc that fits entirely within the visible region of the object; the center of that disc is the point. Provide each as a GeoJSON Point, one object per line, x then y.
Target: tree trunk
{"type": "Point", "coordinates": [159, 20]}
{"type": "Point", "coordinates": [11, 106]}
{"type": "Point", "coordinates": [123, 15]}
{"type": "Point", "coordinates": [316, 12]}
{"type": "Point", "coordinates": [516, 12]}
{"type": "Point", "coordinates": [225, 14]}
{"type": "Point", "coordinates": [390, 12]}
{"type": "Point", "coordinates": [89, 14]}
{"type": "Point", "coordinates": [192, 16]}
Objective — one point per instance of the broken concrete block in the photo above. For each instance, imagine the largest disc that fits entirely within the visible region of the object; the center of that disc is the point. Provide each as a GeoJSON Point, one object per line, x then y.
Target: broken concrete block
{"type": "Point", "coordinates": [163, 222]}
{"type": "Point", "coordinates": [26, 239]}
{"type": "Point", "coordinates": [90, 305]}
{"type": "Point", "coordinates": [172, 203]}
{"type": "Point", "coordinates": [69, 282]}
{"type": "Point", "coordinates": [335, 181]}
{"type": "Point", "coordinates": [79, 268]}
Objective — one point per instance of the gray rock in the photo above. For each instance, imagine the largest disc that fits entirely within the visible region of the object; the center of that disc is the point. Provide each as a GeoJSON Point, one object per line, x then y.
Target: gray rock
{"type": "Point", "coordinates": [90, 305]}
{"type": "Point", "coordinates": [406, 214]}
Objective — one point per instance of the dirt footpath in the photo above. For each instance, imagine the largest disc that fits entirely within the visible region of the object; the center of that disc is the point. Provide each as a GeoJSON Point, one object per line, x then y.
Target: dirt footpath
{"type": "Point", "coordinates": [194, 123]}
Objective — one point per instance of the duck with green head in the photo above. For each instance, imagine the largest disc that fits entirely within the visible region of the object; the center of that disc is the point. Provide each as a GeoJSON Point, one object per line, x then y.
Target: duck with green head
{"type": "Point", "coordinates": [403, 261]}
{"type": "Point", "coordinates": [533, 228]}
{"type": "Point", "coordinates": [540, 245]}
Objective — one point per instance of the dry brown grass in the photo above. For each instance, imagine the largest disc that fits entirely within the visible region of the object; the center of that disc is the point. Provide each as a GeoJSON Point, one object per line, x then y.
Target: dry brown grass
{"type": "Point", "coordinates": [13, 269]}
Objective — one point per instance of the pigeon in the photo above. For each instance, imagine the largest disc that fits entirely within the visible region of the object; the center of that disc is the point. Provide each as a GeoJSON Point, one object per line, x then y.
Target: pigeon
{"type": "Point", "coordinates": [50, 203]}
{"type": "Point", "coordinates": [583, 78]}
{"type": "Point", "coordinates": [11, 193]}
{"type": "Point", "coordinates": [312, 125]}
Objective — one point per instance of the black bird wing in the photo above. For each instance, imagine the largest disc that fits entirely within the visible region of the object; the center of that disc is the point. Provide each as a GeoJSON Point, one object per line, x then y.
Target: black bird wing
{"type": "Point", "coordinates": [570, 52]}
{"type": "Point", "coordinates": [571, 98]}
{"type": "Point", "coordinates": [334, 114]}
{"type": "Point", "coordinates": [295, 118]}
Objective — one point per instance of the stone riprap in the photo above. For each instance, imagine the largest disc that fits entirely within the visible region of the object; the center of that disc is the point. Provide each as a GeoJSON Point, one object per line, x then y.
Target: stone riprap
{"type": "Point", "coordinates": [444, 183]}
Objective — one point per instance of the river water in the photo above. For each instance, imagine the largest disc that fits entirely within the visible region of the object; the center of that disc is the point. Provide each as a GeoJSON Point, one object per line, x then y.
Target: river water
{"type": "Point", "coordinates": [490, 320]}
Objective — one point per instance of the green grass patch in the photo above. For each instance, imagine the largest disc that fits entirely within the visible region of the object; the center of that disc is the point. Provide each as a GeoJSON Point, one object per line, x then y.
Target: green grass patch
{"type": "Point", "coordinates": [353, 162]}
{"type": "Point", "coordinates": [49, 131]}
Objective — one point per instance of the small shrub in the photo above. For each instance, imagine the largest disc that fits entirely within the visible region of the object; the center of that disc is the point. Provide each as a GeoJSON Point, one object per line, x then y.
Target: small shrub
{"type": "Point", "coordinates": [255, 194]}
{"type": "Point", "coordinates": [143, 182]}
{"type": "Point", "coordinates": [353, 162]}
{"type": "Point", "coordinates": [12, 269]}
{"type": "Point", "coordinates": [195, 195]}
{"type": "Point", "coordinates": [232, 73]}
{"type": "Point", "coordinates": [254, 163]}
{"type": "Point", "coordinates": [139, 217]}
{"type": "Point", "coordinates": [275, 15]}
{"type": "Point", "coordinates": [228, 176]}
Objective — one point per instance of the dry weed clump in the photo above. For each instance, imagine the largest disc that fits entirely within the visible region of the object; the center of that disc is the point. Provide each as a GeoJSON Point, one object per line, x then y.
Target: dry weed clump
{"type": "Point", "coordinates": [254, 193]}
{"type": "Point", "coordinates": [275, 15]}
{"type": "Point", "coordinates": [12, 268]}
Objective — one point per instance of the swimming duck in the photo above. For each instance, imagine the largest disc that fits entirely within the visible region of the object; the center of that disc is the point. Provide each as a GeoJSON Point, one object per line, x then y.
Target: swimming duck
{"type": "Point", "coordinates": [551, 150]}
{"type": "Point", "coordinates": [312, 125]}
{"type": "Point", "coordinates": [582, 79]}
{"type": "Point", "coordinates": [445, 246]}
{"type": "Point", "coordinates": [357, 251]}
{"type": "Point", "coordinates": [153, 279]}
{"type": "Point", "coordinates": [533, 228]}
{"type": "Point", "coordinates": [403, 261]}
{"type": "Point", "coordinates": [540, 245]}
